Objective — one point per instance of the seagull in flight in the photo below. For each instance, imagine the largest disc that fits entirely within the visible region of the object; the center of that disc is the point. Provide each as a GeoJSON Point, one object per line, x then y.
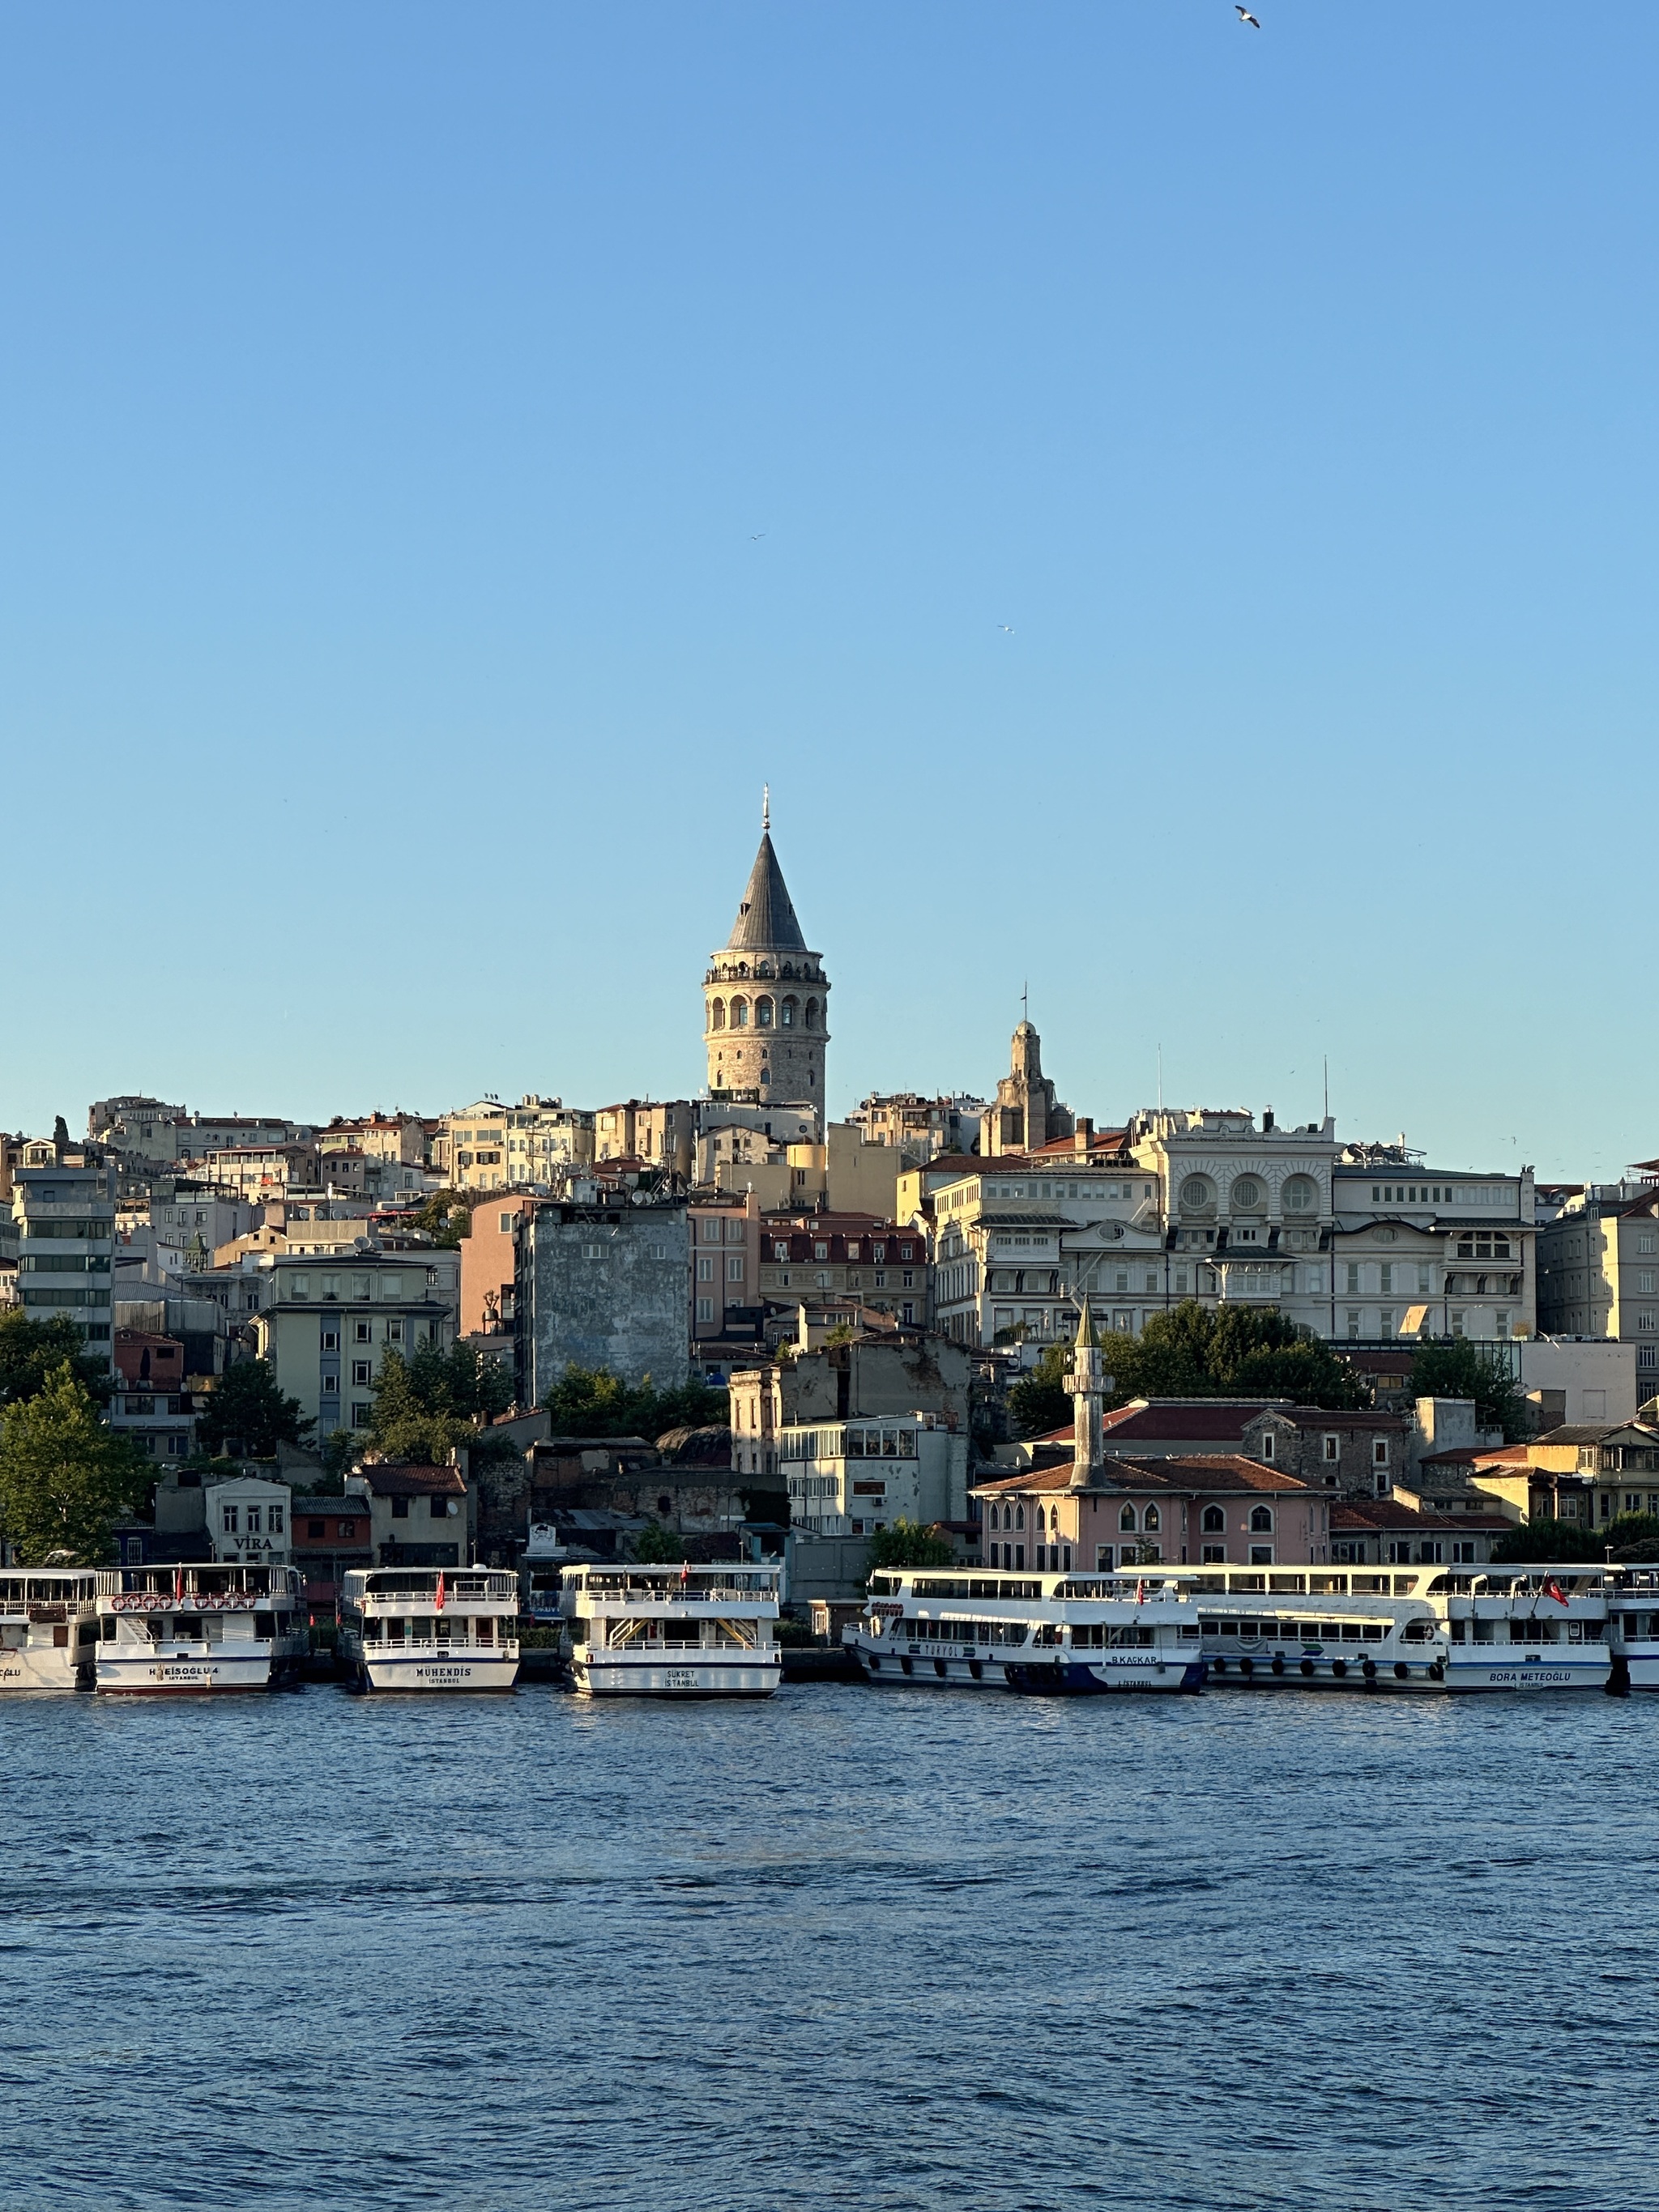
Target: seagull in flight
{"type": "Point", "coordinates": [1008, 627]}
{"type": "Point", "coordinates": [1245, 16]}
{"type": "Point", "coordinates": [754, 535]}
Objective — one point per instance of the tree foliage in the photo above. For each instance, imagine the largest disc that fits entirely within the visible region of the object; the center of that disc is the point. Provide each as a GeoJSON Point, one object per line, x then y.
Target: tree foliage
{"type": "Point", "coordinates": [656, 1546]}
{"type": "Point", "coordinates": [1538, 1542]}
{"type": "Point", "coordinates": [426, 1406]}
{"type": "Point", "coordinates": [66, 1477]}
{"type": "Point", "coordinates": [247, 1415]}
{"type": "Point", "coordinates": [1196, 1352]}
{"type": "Point", "coordinates": [591, 1401]}
{"type": "Point", "coordinates": [1455, 1367]}
{"type": "Point", "coordinates": [446, 1217]}
{"type": "Point", "coordinates": [32, 1350]}
{"type": "Point", "coordinates": [908, 1544]}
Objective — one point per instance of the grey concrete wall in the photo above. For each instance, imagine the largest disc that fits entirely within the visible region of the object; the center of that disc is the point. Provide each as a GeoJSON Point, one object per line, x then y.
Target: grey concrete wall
{"type": "Point", "coordinates": [606, 1286]}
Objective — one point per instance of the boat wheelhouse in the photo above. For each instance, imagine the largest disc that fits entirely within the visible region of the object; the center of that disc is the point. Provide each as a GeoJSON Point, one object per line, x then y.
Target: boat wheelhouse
{"type": "Point", "coordinates": [430, 1628]}
{"type": "Point", "coordinates": [639, 1630]}
{"type": "Point", "coordinates": [1042, 1635]}
{"type": "Point", "coordinates": [1525, 1627]}
{"type": "Point", "coordinates": [188, 1630]}
{"type": "Point", "coordinates": [48, 1627]}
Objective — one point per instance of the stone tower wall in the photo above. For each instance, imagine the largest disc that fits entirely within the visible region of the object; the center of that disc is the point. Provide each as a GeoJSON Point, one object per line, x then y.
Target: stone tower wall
{"type": "Point", "coordinates": [780, 1059]}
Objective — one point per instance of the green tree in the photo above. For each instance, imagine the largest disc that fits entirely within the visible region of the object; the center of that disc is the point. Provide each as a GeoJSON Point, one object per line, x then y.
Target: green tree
{"type": "Point", "coordinates": [446, 1218]}
{"type": "Point", "coordinates": [60, 1135]}
{"type": "Point", "coordinates": [428, 1405]}
{"type": "Point", "coordinates": [908, 1544]}
{"type": "Point", "coordinates": [1538, 1542]}
{"type": "Point", "coordinates": [247, 1415]}
{"type": "Point", "coordinates": [1454, 1367]}
{"type": "Point", "coordinates": [1195, 1351]}
{"type": "Point", "coordinates": [31, 1351]}
{"type": "Point", "coordinates": [656, 1546]}
{"type": "Point", "coordinates": [66, 1477]}
{"type": "Point", "coordinates": [591, 1401]}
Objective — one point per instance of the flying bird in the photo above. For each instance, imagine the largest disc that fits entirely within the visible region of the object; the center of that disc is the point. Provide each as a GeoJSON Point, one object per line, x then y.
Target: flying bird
{"type": "Point", "coordinates": [755, 534]}
{"type": "Point", "coordinates": [1008, 627]}
{"type": "Point", "coordinates": [1245, 16]}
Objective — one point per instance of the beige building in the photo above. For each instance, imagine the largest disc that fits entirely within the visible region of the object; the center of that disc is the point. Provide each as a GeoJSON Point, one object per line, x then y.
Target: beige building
{"type": "Point", "coordinates": [923, 1129]}
{"type": "Point", "coordinates": [400, 1137]}
{"type": "Point", "coordinates": [1598, 1270]}
{"type": "Point", "coordinates": [766, 999]}
{"type": "Point", "coordinates": [1027, 1114]}
{"type": "Point", "coordinates": [832, 1256]}
{"type": "Point", "coordinates": [662, 1132]}
{"type": "Point", "coordinates": [491, 1146]}
{"type": "Point", "coordinates": [327, 1327]}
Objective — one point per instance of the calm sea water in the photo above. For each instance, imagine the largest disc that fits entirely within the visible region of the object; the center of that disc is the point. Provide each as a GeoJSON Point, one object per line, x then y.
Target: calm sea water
{"type": "Point", "coordinates": [848, 1947]}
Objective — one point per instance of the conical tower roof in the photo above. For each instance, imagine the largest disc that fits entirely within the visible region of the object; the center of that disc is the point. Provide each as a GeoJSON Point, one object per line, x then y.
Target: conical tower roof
{"type": "Point", "coordinates": [766, 920]}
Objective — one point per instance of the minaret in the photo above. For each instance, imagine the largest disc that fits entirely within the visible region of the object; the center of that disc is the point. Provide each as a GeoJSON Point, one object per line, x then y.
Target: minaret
{"type": "Point", "coordinates": [1088, 1383]}
{"type": "Point", "coordinates": [766, 998]}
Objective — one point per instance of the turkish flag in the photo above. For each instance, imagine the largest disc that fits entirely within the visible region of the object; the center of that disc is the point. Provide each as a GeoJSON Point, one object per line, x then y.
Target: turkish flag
{"type": "Point", "coordinates": [1552, 1588]}
{"type": "Point", "coordinates": [441, 1589]}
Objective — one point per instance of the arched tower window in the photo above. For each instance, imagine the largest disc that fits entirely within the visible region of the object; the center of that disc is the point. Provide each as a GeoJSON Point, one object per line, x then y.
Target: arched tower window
{"type": "Point", "coordinates": [1125, 1519]}
{"type": "Point", "coordinates": [1152, 1521]}
{"type": "Point", "coordinates": [717, 1015]}
{"type": "Point", "coordinates": [1215, 1520]}
{"type": "Point", "coordinates": [739, 1013]}
{"type": "Point", "coordinates": [786, 1013]}
{"type": "Point", "coordinates": [811, 1014]}
{"type": "Point", "coordinates": [1019, 1516]}
{"type": "Point", "coordinates": [1262, 1522]}
{"type": "Point", "coordinates": [763, 1013]}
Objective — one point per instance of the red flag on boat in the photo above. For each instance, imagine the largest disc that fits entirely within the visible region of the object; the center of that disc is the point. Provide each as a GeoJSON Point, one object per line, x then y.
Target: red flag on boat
{"type": "Point", "coordinates": [177, 1586]}
{"type": "Point", "coordinates": [1140, 1593]}
{"type": "Point", "coordinates": [1552, 1588]}
{"type": "Point", "coordinates": [441, 1589]}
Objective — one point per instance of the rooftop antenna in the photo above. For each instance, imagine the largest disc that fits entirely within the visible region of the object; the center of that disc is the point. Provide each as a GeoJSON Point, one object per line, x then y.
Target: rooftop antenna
{"type": "Point", "coordinates": [1025, 1000]}
{"type": "Point", "coordinates": [1160, 1078]}
{"type": "Point", "coordinates": [766, 808]}
{"type": "Point", "coordinates": [1327, 1086]}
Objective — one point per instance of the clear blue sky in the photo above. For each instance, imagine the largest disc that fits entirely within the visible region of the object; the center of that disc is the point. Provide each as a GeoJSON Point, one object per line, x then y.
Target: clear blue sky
{"type": "Point", "coordinates": [389, 668]}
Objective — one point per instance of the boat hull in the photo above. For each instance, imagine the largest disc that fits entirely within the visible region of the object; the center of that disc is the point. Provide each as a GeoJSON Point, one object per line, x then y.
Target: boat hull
{"type": "Point", "coordinates": [1583, 1667]}
{"type": "Point", "coordinates": [699, 1676]}
{"type": "Point", "coordinates": [44, 1670]}
{"type": "Point", "coordinates": [431, 1671]}
{"type": "Point", "coordinates": [161, 1675]}
{"type": "Point", "coordinates": [1282, 1672]}
{"type": "Point", "coordinates": [1107, 1676]}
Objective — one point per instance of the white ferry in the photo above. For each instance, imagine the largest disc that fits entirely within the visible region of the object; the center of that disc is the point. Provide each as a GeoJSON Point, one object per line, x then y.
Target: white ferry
{"type": "Point", "coordinates": [1043, 1635]}
{"type": "Point", "coordinates": [1317, 1630]}
{"type": "Point", "coordinates": [1633, 1628]}
{"type": "Point", "coordinates": [1512, 1627]}
{"type": "Point", "coordinates": [436, 1628]}
{"type": "Point", "coordinates": [189, 1629]}
{"type": "Point", "coordinates": [48, 1628]}
{"type": "Point", "coordinates": [672, 1631]}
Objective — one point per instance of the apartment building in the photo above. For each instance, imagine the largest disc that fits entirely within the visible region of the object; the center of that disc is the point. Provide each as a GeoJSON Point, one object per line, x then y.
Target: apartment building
{"type": "Point", "coordinates": [602, 1286]}
{"type": "Point", "coordinates": [1598, 1269]}
{"type": "Point", "coordinates": [326, 1327]}
{"type": "Point", "coordinates": [490, 1147]}
{"type": "Point", "coordinates": [64, 1217]}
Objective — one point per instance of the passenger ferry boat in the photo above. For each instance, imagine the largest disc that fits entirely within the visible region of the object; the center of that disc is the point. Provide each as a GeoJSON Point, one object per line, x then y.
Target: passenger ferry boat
{"type": "Point", "coordinates": [1524, 1627]}
{"type": "Point", "coordinates": [1043, 1635]}
{"type": "Point", "coordinates": [1633, 1628]}
{"type": "Point", "coordinates": [190, 1630]}
{"type": "Point", "coordinates": [48, 1628]}
{"type": "Point", "coordinates": [1314, 1629]}
{"type": "Point", "coordinates": [436, 1628]}
{"type": "Point", "coordinates": [672, 1631]}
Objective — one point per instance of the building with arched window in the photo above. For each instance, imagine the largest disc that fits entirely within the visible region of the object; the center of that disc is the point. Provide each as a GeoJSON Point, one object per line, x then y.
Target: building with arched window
{"type": "Point", "coordinates": [766, 999]}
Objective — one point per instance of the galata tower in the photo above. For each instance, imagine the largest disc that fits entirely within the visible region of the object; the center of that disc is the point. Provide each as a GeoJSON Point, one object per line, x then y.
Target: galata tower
{"type": "Point", "coordinates": [766, 998]}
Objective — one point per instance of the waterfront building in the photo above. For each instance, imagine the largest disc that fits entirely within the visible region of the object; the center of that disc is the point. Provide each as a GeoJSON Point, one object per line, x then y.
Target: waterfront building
{"type": "Point", "coordinates": [330, 1535]}
{"type": "Point", "coordinates": [418, 1517]}
{"type": "Point", "coordinates": [1389, 1531]}
{"type": "Point", "coordinates": [854, 1478]}
{"type": "Point", "coordinates": [64, 1217]}
{"type": "Point", "coordinates": [766, 998]}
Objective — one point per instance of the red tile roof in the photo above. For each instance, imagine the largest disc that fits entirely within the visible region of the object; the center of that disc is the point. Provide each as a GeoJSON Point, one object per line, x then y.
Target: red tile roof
{"type": "Point", "coordinates": [1156, 1419]}
{"type": "Point", "coordinates": [1198, 1471]}
{"type": "Point", "coordinates": [1389, 1513]}
{"type": "Point", "coordinates": [385, 1481]}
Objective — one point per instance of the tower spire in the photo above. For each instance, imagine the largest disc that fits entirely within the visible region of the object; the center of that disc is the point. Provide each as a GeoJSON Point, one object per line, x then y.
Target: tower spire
{"type": "Point", "coordinates": [1088, 1383]}
{"type": "Point", "coordinates": [766, 808]}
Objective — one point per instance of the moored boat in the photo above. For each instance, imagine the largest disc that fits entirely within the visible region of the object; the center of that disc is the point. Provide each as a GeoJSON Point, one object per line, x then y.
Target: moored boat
{"type": "Point", "coordinates": [1041, 1635]}
{"type": "Point", "coordinates": [1633, 1628]}
{"type": "Point", "coordinates": [1524, 1627]}
{"type": "Point", "coordinates": [196, 1630]}
{"type": "Point", "coordinates": [437, 1628]}
{"type": "Point", "coordinates": [48, 1627]}
{"type": "Point", "coordinates": [639, 1631]}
